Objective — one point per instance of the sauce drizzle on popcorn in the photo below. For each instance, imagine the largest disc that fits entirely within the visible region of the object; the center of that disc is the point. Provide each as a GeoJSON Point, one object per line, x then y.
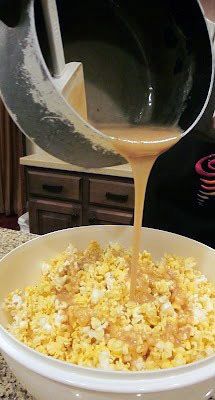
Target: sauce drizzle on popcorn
{"type": "Point", "coordinates": [80, 311]}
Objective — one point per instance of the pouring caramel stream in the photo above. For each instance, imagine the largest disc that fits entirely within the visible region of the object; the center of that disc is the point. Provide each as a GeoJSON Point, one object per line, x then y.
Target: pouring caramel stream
{"type": "Point", "coordinates": [140, 146]}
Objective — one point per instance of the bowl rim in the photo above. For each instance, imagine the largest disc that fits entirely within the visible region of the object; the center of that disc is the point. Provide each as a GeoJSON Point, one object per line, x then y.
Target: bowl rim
{"type": "Point", "coordinates": [98, 379]}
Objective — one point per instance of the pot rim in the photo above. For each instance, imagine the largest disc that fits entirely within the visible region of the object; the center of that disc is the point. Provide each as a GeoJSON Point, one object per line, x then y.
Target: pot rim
{"type": "Point", "coordinates": [212, 76]}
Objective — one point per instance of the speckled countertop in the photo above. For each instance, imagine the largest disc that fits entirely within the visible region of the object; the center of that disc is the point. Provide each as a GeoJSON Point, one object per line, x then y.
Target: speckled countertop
{"type": "Point", "coordinates": [10, 389]}
{"type": "Point", "coordinates": [44, 160]}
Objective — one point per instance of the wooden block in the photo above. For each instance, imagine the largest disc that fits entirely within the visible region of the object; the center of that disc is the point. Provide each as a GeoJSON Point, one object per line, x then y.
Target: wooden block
{"type": "Point", "coordinates": [74, 92]}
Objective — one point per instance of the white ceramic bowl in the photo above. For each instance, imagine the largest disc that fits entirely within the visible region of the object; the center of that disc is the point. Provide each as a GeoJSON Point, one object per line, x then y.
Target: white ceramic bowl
{"type": "Point", "coordinates": [46, 378]}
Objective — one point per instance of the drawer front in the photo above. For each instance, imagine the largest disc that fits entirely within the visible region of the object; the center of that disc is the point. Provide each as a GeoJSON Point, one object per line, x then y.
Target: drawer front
{"type": "Point", "coordinates": [101, 216]}
{"type": "Point", "coordinates": [112, 193]}
{"type": "Point", "coordinates": [54, 185]}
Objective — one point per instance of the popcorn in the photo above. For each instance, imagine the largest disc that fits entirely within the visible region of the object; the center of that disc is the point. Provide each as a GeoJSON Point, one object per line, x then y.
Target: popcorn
{"type": "Point", "coordinates": [97, 334]}
{"type": "Point", "coordinates": [59, 281]}
{"type": "Point", "coordinates": [95, 323]}
{"type": "Point", "coordinates": [116, 346]}
{"type": "Point", "coordinates": [71, 249]}
{"type": "Point", "coordinates": [80, 311]}
{"type": "Point", "coordinates": [97, 295]}
{"type": "Point", "coordinates": [60, 305]}
{"type": "Point", "coordinates": [104, 359]}
{"type": "Point", "coordinates": [199, 315]}
{"type": "Point", "coordinates": [201, 279]}
{"type": "Point", "coordinates": [165, 347]}
{"type": "Point", "coordinates": [189, 263]}
{"type": "Point", "coordinates": [45, 268]}
{"type": "Point", "coordinates": [17, 300]}
{"type": "Point", "coordinates": [59, 318]}
{"type": "Point", "coordinates": [109, 280]}
{"type": "Point", "coordinates": [44, 324]}
{"type": "Point", "coordinates": [167, 307]}
{"type": "Point", "coordinates": [139, 364]}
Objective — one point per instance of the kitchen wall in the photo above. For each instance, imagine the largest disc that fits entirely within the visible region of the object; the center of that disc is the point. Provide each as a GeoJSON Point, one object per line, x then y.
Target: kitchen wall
{"type": "Point", "coordinates": [32, 148]}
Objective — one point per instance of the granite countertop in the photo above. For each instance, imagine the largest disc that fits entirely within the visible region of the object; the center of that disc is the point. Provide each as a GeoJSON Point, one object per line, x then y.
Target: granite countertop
{"type": "Point", "coordinates": [10, 389]}
{"type": "Point", "coordinates": [44, 160]}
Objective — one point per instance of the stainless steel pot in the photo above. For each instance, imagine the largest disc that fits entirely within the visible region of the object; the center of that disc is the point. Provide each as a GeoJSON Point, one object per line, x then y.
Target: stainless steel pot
{"type": "Point", "coordinates": [171, 79]}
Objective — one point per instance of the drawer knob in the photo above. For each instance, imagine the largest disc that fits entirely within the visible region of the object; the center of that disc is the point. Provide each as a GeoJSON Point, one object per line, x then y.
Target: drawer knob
{"type": "Point", "coordinates": [53, 189]}
{"type": "Point", "coordinates": [120, 198]}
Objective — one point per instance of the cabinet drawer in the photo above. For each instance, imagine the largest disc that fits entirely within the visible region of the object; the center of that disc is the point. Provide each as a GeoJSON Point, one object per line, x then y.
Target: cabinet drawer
{"type": "Point", "coordinates": [54, 185]}
{"type": "Point", "coordinates": [112, 193]}
{"type": "Point", "coordinates": [100, 216]}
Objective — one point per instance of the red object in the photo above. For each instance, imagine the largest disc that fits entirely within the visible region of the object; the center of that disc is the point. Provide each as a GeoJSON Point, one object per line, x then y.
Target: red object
{"type": "Point", "coordinates": [10, 222]}
{"type": "Point", "coordinates": [209, 9]}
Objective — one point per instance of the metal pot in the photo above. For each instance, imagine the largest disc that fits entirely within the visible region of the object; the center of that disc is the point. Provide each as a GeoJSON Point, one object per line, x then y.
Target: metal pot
{"type": "Point", "coordinates": [166, 44]}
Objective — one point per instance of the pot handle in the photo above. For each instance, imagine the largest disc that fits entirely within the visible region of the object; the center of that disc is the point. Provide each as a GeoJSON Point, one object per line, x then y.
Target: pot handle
{"type": "Point", "coordinates": [54, 36]}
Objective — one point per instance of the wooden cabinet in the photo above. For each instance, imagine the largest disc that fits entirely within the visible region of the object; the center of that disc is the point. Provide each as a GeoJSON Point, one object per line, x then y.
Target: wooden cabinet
{"type": "Point", "coordinates": [59, 200]}
{"type": "Point", "coordinates": [48, 216]}
{"type": "Point", "coordinates": [116, 194]}
{"type": "Point", "coordinates": [54, 185]}
{"type": "Point", "coordinates": [102, 216]}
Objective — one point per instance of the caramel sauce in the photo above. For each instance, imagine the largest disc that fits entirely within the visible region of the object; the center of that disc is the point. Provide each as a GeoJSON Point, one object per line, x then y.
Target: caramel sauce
{"type": "Point", "coordinates": [132, 338]}
{"type": "Point", "coordinates": [65, 297]}
{"type": "Point", "coordinates": [80, 314]}
{"type": "Point", "coordinates": [140, 146]}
